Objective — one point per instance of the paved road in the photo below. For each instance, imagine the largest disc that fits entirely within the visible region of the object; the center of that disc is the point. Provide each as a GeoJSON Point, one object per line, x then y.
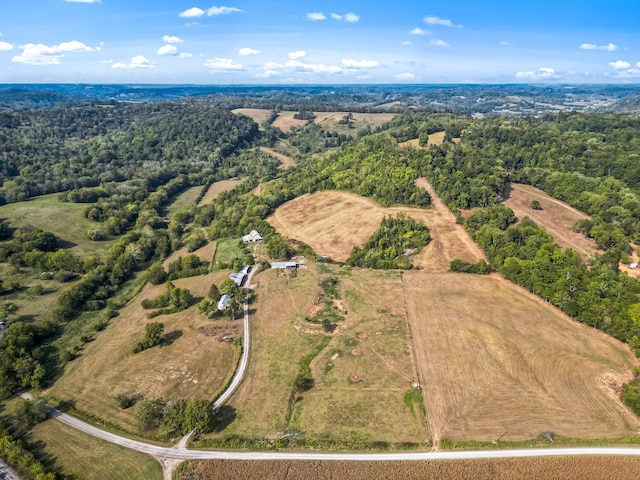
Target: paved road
{"type": "Point", "coordinates": [6, 473]}
{"type": "Point", "coordinates": [244, 361]}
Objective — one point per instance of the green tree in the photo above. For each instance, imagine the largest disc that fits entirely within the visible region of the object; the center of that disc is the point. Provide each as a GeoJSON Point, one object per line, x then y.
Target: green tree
{"type": "Point", "coordinates": [153, 332]}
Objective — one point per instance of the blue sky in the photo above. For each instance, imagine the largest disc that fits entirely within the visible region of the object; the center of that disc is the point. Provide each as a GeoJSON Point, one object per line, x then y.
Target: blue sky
{"type": "Point", "coordinates": [311, 42]}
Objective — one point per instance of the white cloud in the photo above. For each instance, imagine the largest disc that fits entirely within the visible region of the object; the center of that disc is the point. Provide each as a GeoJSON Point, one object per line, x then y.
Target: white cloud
{"type": "Point", "coordinates": [82, 1]}
{"type": "Point", "coordinates": [167, 49]}
{"type": "Point", "coordinates": [310, 67]}
{"type": "Point", "coordinates": [431, 20]}
{"type": "Point", "coordinates": [619, 64]}
{"type": "Point", "coordinates": [192, 13]}
{"type": "Point", "coordinates": [350, 63]}
{"type": "Point", "coordinates": [297, 54]}
{"type": "Point", "coordinates": [5, 46]}
{"type": "Point", "coordinates": [225, 64]}
{"type": "Point", "coordinates": [407, 42]}
{"type": "Point", "coordinates": [171, 39]}
{"type": "Point", "coordinates": [185, 55]}
{"type": "Point", "coordinates": [223, 11]}
{"type": "Point", "coordinates": [351, 18]}
{"type": "Point", "coordinates": [335, 16]}
{"type": "Point", "coordinates": [40, 54]}
{"type": "Point", "coordinates": [136, 62]}
{"type": "Point", "coordinates": [267, 74]}
{"type": "Point", "coordinates": [248, 51]}
{"type": "Point", "coordinates": [316, 16]}
{"type": "Point", "coordinates": [272, 66]}
{"type": "Point", "coordinates": [504, 44]}
{"type": "Point", "coordinates": [419, 31]}
{"type": "Point", "coordinates": [541, 73]}
{"type": "Point", "coordinates": [439, 43]}
{"type": "Point", "coordinates": [611, 47]}
{"type": "Point", "coordinates": [404, 76]}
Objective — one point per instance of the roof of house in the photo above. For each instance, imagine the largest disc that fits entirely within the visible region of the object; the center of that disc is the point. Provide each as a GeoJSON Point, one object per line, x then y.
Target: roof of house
{"type": "Point", "coordinates": [224, 301]}
{"type": "Point", "coordinates": [252, 236]}
{"type": "Point", "coordinates": [283, 264]}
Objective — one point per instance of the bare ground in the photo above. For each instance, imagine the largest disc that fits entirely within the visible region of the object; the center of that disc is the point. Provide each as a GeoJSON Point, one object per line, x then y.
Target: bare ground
{"type": "Point", "coordinates": [284, 160]}
{"type": "Point", "coordinates": [494, 362]}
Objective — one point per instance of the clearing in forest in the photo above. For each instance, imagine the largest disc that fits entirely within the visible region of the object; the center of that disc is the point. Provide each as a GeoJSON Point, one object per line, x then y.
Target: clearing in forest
{"type": "Point", "coordinates": [188, 365]}
{"type": "Point", "coordinates": [495, 362]}
{"type": "Point", "coordinates": [285, 161]}
{"type": "Point", "coordinates": [555, 216]}
{"type": "Point", "coordinates": [258, 115]}
{"type": "Point", "coordinates": [333, 222]}
{"type": "Point", "coordinates": [217, 188]}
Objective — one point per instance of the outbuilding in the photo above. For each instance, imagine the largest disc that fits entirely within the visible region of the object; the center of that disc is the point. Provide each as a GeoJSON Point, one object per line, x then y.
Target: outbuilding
{"type": "Point", "coordinates": [224, 302]}
{"type": "Point", "coordinates": [252, 236]}
{"type": "Point", "coordinates": [284, 264]}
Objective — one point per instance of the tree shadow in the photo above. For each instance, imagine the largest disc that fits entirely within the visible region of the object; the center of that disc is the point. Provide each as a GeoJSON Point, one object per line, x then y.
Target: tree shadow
{"type": "Point", "coordinates": [225, 415]}
{"type": "Point", "coordinates": [66, 244]}
{"type": "Point", "coordinates": [170, 337]}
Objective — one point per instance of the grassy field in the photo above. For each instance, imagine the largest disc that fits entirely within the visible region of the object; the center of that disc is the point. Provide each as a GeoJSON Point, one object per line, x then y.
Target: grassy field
{"type": "Point", "coordinates": [361, 375]}
{"type": "Point", "coordinates": [184, 200]}
{"type": "Point", "coordinates": [556, 217]}
{"type": "Point", "coordinates": [205, 253]}
{"type": "Point", "coordinates": [327, 120]}
{"type": "Point", "coordinates": [218, 187]}
{"type": "Point", "coordinates": [566, 468]}
{"type": "Point", "coordinates": [80, 456]}
{"type": "Point", "coordinates": [64, 219]}
{"type": "Point", "coordinates": [496, 362]}
{"type": "Point", "coordinates": [333, 222]}
{"type": "Point", "coordinates": [192, 365]}
{"type": "Point", "coordinates": [228, 250]}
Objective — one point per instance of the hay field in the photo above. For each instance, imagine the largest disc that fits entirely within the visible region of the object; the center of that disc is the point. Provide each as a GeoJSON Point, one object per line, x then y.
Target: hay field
{"type": "Point", "coordinates": [217, 188]}
{"type": "Point", "coordinates": [286, 122]}
{"type": "Point", "coordinates": [205, 253]}
{"type": "Point", "coordinates": [183, 201]}
{"type": "Point", "coordinates": [285, 161]}
{"type": "Point", "coordinates": [193, 366]}
{"type": "Point", "coordinates": [554, 468]}
{"type": "Point", "coordinates": [372, 343]}
{"type": "Point", "coordinates": [496, 362]}
{"type": "Point", "coordinates": [333, 222]}
{"type": "Point", "coordinates": [256, 114]}
{"type": "Point", "coordinates": [556, 217]}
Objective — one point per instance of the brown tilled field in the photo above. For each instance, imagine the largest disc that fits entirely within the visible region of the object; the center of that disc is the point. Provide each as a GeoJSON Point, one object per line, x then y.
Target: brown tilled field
{"type": "Point", "coordinates": [192, 366]}
{"type": "Point", "coordinates": [556, 217]}
{"type": "Point", "coordinates": [554, 468]}
{"type": "Point", "coordinates": [496, 362]}
{"type": "Point", "coordinates": [284, 160]}
{"type": "Point", "coordinates": [217, 188]}
{"type": "Point", "coordinates": [333, 222]}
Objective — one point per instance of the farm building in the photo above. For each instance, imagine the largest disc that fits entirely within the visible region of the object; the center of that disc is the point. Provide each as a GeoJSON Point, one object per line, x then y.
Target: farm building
{"type": "Point", "coordinates": [252, 236]}
{"type": "Point", "coordinates": [224, 302]}
{"type": "Point", "coordinates": [633, 265]}
{"type": "Point", "coordinates": [284, 264]}
{"type": "Point", "coordinates": [237, 277]}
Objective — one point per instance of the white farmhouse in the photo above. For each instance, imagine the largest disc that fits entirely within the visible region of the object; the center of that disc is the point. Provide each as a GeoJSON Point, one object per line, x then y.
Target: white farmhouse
{"type": "Point", "coordinates": [252, 236]}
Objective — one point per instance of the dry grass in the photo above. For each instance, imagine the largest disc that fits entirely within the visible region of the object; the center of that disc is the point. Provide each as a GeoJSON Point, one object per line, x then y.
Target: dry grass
{"type": "Point", "coordinates": [193, 366]}
{"type": "Point", "coordinates": [184, 200]}
{"type": "Point", "coordinates": [284, 160]}
{"type": "Point", "coordinates": [566, 468]}
{"type": "Point", "coordinates": [333, 222]}
{"type": "Point", "coordinates": [82, 456]}
{"type": "Point", "coordinates": [217, 188]}
{"type": "Point", "coordinates": [258, 115]}
{"type": "Point", "coordinates": [434, 139]}
{"type": "Point", "coordinates": [286, 122]}
{"type": "Point", "coordinates": [372, 345]}
{"type": "Point", "coordinates": [556, 217]}
{"type": "Point", "coordinates": [496, 362]}
{"type": "Point", "coordinates": [205, 253]}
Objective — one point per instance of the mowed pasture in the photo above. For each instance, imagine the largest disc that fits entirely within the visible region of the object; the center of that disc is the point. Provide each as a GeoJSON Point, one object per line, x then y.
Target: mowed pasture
{"type": "Point", "coordinates": [217, 188]}
{"type": "Point", "coordinates": [546, 468]}
{"type": "Point", "coordinates": [495, 362]}
{"type": "Point", "coordinates": [64, 219]}
{"type": "Point", "coordinates": [555, 216]}
{"type": "Point", "coordinates": [362, 371]}
{"type": "Point", "coordinates": [327, 120]}
{"type": "Point", "coordinates": [79, 455]}
{"type": "Point", "coordinates": [190, 365]}
{"type": "Point", "coordinates": [333, 222]}
{"type": "Point", "coordinates": [285, 161]}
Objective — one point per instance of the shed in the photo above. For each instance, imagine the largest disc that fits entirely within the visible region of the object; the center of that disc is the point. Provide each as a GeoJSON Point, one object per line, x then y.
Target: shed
{"type": "Point", "coordinates": [633, 265]}
{"type": "Point", "coordinates": [284, 264]}
{"type": "Point", "coordinates": [238, 278]}
{"type": "Point", "coordinates": [224, 302]}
